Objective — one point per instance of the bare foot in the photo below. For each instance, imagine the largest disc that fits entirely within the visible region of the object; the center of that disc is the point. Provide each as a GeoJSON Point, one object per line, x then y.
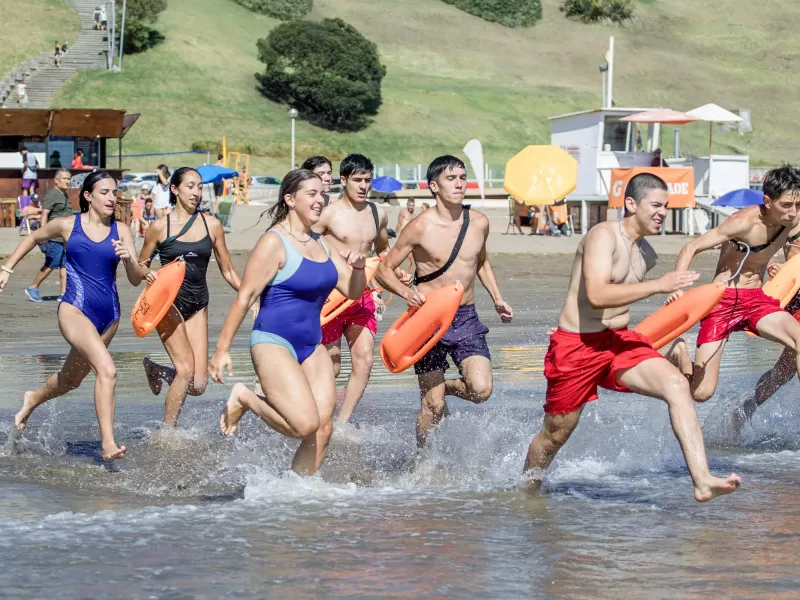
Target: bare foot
{"type": "Point", "coordinates": [151, 370]}
{"type": "Point", "coordinates": [233, 411]}
{"type": "Point", "coordinates": [678, 355]}
{"type": "Point", "coordinates": [21, 418]}
{"type": "Point", "coordinates": [113, 453]}
{"type": "Point", "coordinates": [716, 486]}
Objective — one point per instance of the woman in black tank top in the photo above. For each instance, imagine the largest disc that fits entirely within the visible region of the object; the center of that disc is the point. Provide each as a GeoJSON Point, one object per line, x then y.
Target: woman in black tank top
{"type": "Point", "coordinates": [184, 330]}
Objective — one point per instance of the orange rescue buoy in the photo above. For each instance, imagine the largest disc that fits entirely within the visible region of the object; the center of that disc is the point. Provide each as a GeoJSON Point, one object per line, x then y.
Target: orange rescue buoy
{"type": "Point", "coordinates": [417, 330]}
{"type": "Point", "coordinates": [156, 299]}
{"type": "Point", "coordinates": [337, 303]}
{"type": "Point", "coordinates": [670, 321]}
{"type": "Point", "coordinates": [785, 285]}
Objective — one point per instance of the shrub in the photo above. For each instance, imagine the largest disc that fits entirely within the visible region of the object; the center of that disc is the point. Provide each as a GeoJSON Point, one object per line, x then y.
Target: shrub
{"type": "Point", "coordinates": [591, 11]}
{"type": "Point", "coordinates": [327, 70]}
{"type": "Point", "coordinates": [285, 10]}
{"type": "Point", "coordinates": [140, 15]}
{"type": "Point", "coordinates": [511, 13]}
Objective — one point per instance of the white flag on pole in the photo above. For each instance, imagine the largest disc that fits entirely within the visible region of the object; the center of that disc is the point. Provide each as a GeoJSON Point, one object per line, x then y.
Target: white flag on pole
{"type": "Point", "coordinates": [474, 152]}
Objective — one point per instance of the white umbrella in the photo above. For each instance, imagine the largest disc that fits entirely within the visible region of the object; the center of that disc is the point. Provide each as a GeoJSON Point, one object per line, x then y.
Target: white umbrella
{"type": "Point", "coordinates": [713, 113]}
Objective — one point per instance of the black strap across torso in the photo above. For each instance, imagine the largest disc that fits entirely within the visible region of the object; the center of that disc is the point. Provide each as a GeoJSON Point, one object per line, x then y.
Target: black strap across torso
{"type": "Point", "coordinates": [456, 249]}
{"type": "Point", "coordinates": [757, 249]}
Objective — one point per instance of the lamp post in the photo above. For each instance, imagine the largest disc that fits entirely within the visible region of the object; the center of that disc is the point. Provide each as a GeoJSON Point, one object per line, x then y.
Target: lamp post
{"type": "Point", "coordinates": [293, 114]}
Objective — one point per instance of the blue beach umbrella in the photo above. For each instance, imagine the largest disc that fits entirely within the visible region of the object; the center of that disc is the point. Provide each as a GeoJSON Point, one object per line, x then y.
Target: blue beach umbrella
{"type": "Point", "coordinates": [386, 185]}
{"type": "Point", "coordinates": [740, 198]}
{"type": "Point", "coordinates": [215, 174]}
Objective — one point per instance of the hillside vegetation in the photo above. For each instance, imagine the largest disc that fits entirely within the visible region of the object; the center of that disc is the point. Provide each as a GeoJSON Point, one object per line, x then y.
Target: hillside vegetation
{"type": "Point", "coordinates": [452, 76]}
{"type": "Point", "coordinates": [32, 26]}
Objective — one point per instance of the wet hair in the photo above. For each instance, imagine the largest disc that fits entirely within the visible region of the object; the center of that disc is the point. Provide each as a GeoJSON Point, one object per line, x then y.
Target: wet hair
{"type": "Point", "coordinates": [781, 180]}
{"type": "Point", "coordinates": [177, 180]}
{"type": "Point", "coordinates": [442, 164]}
{"type": "Point", "coordinates": [312, 162]}
{"type": "Point", "coordinates": [289, 185]}
{"type": "Point", "coordinates": [164, 170]}
{"type": "Point", "coordinates": [355, 163]}
{"type": "Point", "coordinates": [642, 184]}
{"type": "Point", "coordinates": [92, 179]}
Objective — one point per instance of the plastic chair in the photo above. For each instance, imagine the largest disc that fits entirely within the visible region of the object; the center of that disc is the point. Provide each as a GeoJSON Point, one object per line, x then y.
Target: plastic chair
{"type": "Point", "coordinates": [227, 205]}
{"type": "Point", "coordinates": [24, 202]}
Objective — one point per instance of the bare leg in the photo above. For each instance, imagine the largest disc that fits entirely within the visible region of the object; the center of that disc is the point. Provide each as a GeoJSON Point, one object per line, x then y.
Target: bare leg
{"type": "Point", "coordinates": [705, 374]}
{"type": "Point", "coordinates": [335, 352]}
{"type": "Point", "coordinates": [41, 276]}
{"type": "Point", "coordinates": [556, 430]}
{"type": "Point", "coordinates": [172, 331]}
{"type": "Point", "coordinates": [782, 328]}
{"type": "Point", "coordinates": [89, 351]}
{"type": "Point", "coordinates": [659, 379]}
{"type": "Point", "coordinates": [475, 383]}
{"type": "Point", "coordinates": [314, 448]}
{"type": "Point", "coordinates": [434, 407]}
{"type": "Point", "coordinates": [362, 350]}
{"type": "Point", "coordinates": [779, 375]}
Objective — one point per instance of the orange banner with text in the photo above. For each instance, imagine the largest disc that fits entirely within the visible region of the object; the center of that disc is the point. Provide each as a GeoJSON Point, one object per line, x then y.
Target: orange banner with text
{"type": "Point", "coordinates": [679, 180]}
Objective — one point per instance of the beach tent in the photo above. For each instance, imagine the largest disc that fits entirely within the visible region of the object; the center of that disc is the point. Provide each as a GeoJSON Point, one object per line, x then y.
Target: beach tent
{"type": "Point", "coordinates": [713, 113]}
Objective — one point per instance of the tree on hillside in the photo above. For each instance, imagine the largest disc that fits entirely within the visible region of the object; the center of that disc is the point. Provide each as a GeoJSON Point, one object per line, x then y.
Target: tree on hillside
{"type": "Point", "coordinates": [326, 70]}
{"type": "Point", "coordinates": [591, 11]}
{"type": "Point", "coordinates": [285, 10]}
{"type": "Point", "coordinates": [511, 13]}
{"type": "Point", "coordinates": [141, 14]}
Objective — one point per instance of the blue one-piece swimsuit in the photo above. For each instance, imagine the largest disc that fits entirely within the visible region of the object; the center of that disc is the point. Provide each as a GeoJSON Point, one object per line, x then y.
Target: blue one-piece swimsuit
{"type": "Point", "coordinates": [92, 276]}
{"type": "Point", "coordinates": [292, 301]}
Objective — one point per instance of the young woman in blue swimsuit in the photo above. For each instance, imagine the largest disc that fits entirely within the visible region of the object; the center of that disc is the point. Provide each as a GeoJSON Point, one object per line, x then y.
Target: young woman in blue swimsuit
{"type": "Point", "coordinates": [293, 271]}
{"type": "Point", "coordinates": [184, 330]}
{"type": "Point", "coordinates": [88, 314]}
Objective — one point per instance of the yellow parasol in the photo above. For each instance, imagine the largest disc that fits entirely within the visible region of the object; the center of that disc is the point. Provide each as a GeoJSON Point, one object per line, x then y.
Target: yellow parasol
{"type": "Point", "coordinates": [541, 175]}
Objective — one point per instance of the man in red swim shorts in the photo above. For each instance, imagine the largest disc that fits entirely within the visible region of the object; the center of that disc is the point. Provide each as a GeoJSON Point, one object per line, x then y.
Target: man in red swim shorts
{"type": "Point", "coordinates": [354, 223]}
{"type": "Point", "coordinates": [749, 239]}
{"type": "Point", "coordinates": [592, 346]}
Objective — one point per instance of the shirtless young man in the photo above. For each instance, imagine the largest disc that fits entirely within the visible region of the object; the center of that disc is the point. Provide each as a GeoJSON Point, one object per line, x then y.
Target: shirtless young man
{"type": "Point", "coordinates": [432, 239]}
{"type": "Point", "coordinates": [354, 223]}
{"type": "Point", "coordinates": [749, 240]}
{"type": "Point", "coordinates": [406, 214]}
{"type": "Point", "coordinates": [593, 347]}
{"type": "Point", "coordinates": [322, 167]}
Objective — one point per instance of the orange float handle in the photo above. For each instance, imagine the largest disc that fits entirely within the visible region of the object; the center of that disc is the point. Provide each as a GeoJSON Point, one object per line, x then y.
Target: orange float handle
{"type": "Point", "coordinates": [336, 303]}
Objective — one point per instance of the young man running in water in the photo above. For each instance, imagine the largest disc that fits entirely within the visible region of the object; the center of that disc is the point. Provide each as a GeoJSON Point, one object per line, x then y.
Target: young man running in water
{"type": "Point", "coordinates": [749, 239]}
{"type": "Point", "coordinates": [353, 223]}
{"type": "Point", "coordinates": [593, 347]}
{"type": "Point", "coordinates": [451, 230]}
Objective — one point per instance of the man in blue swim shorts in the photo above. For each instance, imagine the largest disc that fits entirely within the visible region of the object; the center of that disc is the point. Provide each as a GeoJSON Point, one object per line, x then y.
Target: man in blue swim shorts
{"type": "Point", "coordinates": [452, 230]}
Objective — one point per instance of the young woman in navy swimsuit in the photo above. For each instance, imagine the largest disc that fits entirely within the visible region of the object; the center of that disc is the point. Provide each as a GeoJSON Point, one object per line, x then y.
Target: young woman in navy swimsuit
{"type": "Point", "coordinates": [184, 330]}
{"type": "Point", "coordinates": [88, 314]}
{"type": "Point", "coordinates": [293, 271]}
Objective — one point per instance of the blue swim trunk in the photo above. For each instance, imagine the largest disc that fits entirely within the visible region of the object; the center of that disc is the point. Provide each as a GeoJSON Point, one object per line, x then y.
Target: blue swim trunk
{"type": "Point", "coordinates": [54, 255]}
{"type": "Point", "coordinates": [466, 337]}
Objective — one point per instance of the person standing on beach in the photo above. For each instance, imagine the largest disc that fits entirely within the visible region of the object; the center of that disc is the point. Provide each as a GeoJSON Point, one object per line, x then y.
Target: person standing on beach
{"type": "Point", "coordinates": [324, 169]}
{"type": "Point", "coordinates": [193, 236]}
{"type": "Point", "coordinates": [293, 270]}
{"type": "Point", "coordinates": [406, 214]}
{"type": "Point", "coordinates": [30, 172]}
{"type": "Point", "coordinates": [88, 315]}
{"type": "Point", "coordinates": [455, 230]}
{"type": "Point", "coordinates": [161, 191]}
{"type": "Point", "coordinates": [219, 187]}
{"type": "Point", "coordinates": [593, 347]}
{"type": "Point", "coordinates": [55, 205]}
{"type": "Point", "coordinates": [354, 224]}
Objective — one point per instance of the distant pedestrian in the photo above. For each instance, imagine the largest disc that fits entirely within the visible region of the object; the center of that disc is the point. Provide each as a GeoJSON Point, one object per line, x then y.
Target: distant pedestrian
{"type": "Point", "coordinates": [22, 94]}
{"type": "Point", "coordinates": [103, 18]}
{"type": "Point", "coordinates": [219, 187]}
{"type": "Point", "coordinates": [161, 191]}
{"type": "Point", "coordinates": [57, 54]}
{"type": "Point", "coordinates": [96, 18]}
{"type": "Point", "coordinates": [30, 172]}
{"type": "Point", "coordinates": [77, 159]}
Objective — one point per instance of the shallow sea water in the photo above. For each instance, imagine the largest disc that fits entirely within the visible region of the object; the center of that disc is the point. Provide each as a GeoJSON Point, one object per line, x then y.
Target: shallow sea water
{"type": "Point", "coordinates": [190, 514]}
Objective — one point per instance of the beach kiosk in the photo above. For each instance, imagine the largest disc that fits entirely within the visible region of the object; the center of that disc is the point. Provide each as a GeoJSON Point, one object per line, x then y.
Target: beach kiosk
{"type": "Point", "coordinates": [603, 144]}
{"type": "Point", "coordinates": [53, 136]}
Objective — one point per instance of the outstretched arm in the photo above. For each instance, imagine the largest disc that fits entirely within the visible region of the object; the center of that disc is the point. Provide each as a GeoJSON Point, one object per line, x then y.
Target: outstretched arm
{"type": "Point", "coordinates": [222, 255]}
{"type": "Point", "coordinates": [734, 227]}
{"type": "Point", "coordinates": [602, 292]}
{"type": "Point", "coordinates": [488, 280]}
{"type": "Point", "coordinates": [55, 228]}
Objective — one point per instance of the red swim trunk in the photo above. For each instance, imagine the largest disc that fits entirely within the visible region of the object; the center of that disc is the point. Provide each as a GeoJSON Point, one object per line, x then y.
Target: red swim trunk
{"type": "Point", "coordinates": [361, 313]}
{"type": "Point", "coordinates": [577, 363]}
{"type": "Point", "coordinates": [739, 310]}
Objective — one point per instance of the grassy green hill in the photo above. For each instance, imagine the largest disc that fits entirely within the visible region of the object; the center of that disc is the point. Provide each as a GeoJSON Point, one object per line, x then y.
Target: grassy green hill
{"type": "Point", "coordinates": [452, 77]}
{"type": "Point", "coordinates": [32, 26]}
